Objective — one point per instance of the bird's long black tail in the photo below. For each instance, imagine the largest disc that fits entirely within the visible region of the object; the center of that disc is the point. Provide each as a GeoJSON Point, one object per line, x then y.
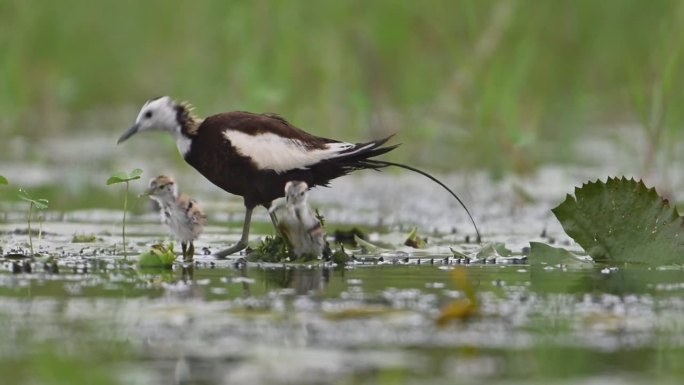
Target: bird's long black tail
{"type": "Point", "coordinates": [383, 163]}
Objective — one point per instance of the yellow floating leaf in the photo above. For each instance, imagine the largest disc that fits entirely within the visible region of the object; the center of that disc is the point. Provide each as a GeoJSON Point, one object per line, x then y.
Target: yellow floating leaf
{"type": "Point", "coordinates": [462, 308]}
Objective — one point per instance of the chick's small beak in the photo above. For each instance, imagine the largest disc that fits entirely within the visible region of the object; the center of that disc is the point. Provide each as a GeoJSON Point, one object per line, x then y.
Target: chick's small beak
{"type": "Point", "coordinates": [131, 131]}
{"type": "Point", "coordinates": [145, 193]}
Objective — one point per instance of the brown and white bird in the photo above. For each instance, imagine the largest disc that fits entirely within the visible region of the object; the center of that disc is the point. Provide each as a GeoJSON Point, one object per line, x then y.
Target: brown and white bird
{"type": "Point", "coordinates": [255, 155]}
{"type": "Point", "coordinates": [298, 223]}
{"type": "Point", "coordinates": [181, 214]}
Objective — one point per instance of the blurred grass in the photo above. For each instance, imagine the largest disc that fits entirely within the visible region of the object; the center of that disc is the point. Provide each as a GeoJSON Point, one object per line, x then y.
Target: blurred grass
{"type": "Point", "coordinates": [490, 84]}
{"type": "Point", "coordinates": [61, 199]}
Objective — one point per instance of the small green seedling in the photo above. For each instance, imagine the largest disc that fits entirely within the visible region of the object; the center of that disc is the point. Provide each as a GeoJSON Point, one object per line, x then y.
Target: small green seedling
{"type": "Point", "coordinates": [122, 177]}
{"type": "Point", "coordinates": [3, 180]}
{"type": "Point", "coordinates": [40, 204]}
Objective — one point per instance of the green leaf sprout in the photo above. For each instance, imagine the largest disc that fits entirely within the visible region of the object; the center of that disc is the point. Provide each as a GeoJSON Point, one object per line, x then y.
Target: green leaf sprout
{"type": "Point", "coordinates": [123, 177]}
{"type": "Point", "coordinates": [40, 204]}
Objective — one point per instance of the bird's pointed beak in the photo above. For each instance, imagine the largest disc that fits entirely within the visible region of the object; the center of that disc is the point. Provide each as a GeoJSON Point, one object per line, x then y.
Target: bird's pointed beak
{"type": "Point", "coordinates": [131, 131]}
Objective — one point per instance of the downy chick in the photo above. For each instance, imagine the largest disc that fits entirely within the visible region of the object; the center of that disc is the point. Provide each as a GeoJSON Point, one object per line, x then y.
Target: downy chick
{"type": "Point", "coordinates": [297, 223]}
{"type": "Point", "coordinates": [181, 214]}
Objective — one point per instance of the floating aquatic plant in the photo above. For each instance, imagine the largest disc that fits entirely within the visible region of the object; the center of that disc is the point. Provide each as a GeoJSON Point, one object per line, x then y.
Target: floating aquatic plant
{"type": "Point", "coordinates": [542, 254]}
{"type": "Point", "coordinates": [623, 221]}
{"type": "Point", "coordinates": [83, 238]}
{"type": "Point", "coordinates": [158, 256]}
{"type": "Point", "coordinates": [349, 236]}
{"type": "Point", "coordinates": [495, 251]}
{"type": "Point", "coordinates": [123, 177]}
{"type": "Point", "coordinates": [271, 249]}
{"type": "Point", "coordinates": [340, 256]}
{"type": "Point", "coordinates": [371, 248]}
{"type": "Point", "coordinates": [40, 204]}
{"type": "Point", "coordinates": [3, 180]}
{"type": "Point", "coordinates": [414, 240]}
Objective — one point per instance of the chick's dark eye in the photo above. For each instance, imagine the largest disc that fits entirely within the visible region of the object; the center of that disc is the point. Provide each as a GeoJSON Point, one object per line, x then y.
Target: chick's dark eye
{"type": "Point", "coordinates": [148, 114]}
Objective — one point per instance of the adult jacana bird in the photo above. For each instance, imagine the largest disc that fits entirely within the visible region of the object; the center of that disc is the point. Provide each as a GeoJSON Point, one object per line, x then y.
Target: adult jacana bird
{"type": "Point", "coordinates": [255, 155]}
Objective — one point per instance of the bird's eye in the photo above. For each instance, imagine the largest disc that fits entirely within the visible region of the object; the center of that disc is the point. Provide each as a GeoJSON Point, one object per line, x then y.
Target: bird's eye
{"type": "Point", "coordinates": [301, 194]}
{"type": "Point", "coordinates": [148, 114]}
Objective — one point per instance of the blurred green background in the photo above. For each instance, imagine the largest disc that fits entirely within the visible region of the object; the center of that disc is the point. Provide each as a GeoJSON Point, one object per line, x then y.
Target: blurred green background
{"type": "Point", "coordinates": [497, 85]}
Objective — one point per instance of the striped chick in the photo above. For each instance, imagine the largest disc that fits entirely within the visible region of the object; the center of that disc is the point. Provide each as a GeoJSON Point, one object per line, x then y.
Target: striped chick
{"type": "Point", "coordinates": [182, 215]}
{"type": "Point", "coordinates": [297, 222]}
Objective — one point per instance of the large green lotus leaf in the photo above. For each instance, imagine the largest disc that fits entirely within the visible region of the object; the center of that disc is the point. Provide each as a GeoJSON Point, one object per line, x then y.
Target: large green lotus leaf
{"type": "Point", "coordinates": [3, 180]}
{"type": "Point", "coordinates": [623, 221]}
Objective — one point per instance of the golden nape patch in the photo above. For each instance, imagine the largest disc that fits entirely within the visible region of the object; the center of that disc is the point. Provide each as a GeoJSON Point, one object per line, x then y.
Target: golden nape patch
{"type": "Point", "coordinates": [188, 119]}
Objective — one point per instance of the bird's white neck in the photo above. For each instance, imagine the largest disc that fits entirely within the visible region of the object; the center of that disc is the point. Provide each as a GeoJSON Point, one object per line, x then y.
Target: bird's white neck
{"type": "Point", "coordinates": [183, 143]}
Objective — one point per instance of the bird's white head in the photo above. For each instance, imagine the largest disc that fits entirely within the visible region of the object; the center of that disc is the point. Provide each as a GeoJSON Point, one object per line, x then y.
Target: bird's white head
{"type": "Point", "coordinates": [295, 192]}
{"type": "Point", "coordinates": [160, 114]}
{"type": "Point", "coordinates": [163, 189]}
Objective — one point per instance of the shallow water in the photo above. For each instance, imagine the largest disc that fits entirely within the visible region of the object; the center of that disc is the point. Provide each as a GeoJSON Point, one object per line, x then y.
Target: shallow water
{"type": "Point", "coordinates": [368, 322]}
{"type": "Point", "coordinates": [361, 324]}
{"type": "Point", "coordinates": [87, 316]}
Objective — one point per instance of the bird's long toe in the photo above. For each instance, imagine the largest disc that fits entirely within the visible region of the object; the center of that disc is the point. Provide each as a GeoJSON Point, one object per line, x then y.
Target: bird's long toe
{"type": "Point", "coordinates": [223, 254]}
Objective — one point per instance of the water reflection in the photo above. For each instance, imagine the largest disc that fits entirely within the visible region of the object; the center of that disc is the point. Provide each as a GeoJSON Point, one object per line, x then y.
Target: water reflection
{"type": "Point", "coordinates": [304, 281]}
{"type": "Point", "coordinates": [246, 283]}
{"type": "Point", "coordinates": [256, 280]}
{"type": "Point", "coordinates": [204, 322]}
{"type": "Point", "coordinates": [187, 272]}
{"type": "Point", "coordinates": [619, 281]}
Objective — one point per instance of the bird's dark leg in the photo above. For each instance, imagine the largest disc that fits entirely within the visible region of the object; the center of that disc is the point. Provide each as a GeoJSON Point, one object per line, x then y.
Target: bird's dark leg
{"type": "Point", "coordinates": [184, 247]}
{"type": "Point", "coordinates": [274, 219]}
{"type": "Point", "coordinates": [191, 253]}
{"type": "Point", "coordinates": [242, 243]}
